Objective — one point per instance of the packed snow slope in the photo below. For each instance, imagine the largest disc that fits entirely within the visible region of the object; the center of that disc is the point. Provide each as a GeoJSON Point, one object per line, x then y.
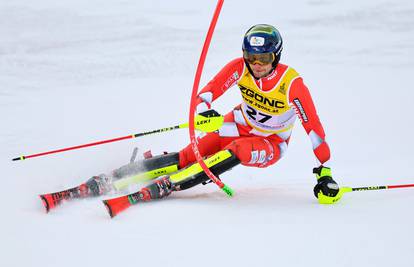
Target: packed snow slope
{"type": "Point", "coordinates": [75, 71]}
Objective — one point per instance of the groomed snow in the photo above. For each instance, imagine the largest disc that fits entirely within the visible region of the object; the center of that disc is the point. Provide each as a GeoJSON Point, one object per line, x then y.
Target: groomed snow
{"type": "Point", "coordinates": [76, 71]}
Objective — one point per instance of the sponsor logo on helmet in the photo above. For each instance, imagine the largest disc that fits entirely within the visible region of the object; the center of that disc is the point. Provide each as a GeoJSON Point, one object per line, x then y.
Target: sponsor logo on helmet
{"type": "Point", "coordinates": [257, 41]}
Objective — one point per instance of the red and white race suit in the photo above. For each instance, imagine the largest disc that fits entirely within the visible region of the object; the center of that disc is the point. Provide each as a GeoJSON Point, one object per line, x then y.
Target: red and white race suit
{"type": "Point", "coordinates": [258, 130]}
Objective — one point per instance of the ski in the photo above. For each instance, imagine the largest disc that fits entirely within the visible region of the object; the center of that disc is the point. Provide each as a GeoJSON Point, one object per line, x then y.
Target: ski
{"type": "Point", "coordinates": [158, 189]}
{"type": "Point", "coordinates": [52, 200]}
{"type": "Point", "coordinates": [95, 186]}
{"type": "Point", "coordinates": [116, 205]}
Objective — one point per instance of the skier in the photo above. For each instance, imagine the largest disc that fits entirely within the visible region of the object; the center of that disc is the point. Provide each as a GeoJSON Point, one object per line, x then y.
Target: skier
{"type": "Point", "coordinates": [255, 133]}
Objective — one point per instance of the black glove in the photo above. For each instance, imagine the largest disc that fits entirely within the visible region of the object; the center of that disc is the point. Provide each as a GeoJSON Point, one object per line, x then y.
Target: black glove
{"type": "Point", "coordinates": [326, 185]}
{"type": "Point", "coordinates": [210, 113]}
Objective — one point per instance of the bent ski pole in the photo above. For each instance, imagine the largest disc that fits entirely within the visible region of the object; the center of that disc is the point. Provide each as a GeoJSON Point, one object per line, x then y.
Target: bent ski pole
{"type": "Point", "coordinates": [201, 123]}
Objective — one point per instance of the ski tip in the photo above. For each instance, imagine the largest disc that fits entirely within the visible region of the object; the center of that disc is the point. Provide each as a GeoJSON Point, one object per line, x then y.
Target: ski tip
{"type": "Point", "coordinates": [45, 203]}
{"type": "Point", "coordinates": [116, 205]}
{"type": "Point", "coordinates": [108, 208]}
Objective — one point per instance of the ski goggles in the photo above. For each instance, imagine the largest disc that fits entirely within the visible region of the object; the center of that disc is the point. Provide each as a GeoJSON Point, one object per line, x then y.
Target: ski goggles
{"type": "Point", "coordinates": [262, 59]}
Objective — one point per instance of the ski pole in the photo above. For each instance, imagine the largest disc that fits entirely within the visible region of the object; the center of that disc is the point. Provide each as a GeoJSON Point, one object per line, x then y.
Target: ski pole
{"type": "Point", "coordinates": [199, 70]}
{"type": "Point", "coordinates": [329, 200]}
{"type": "Point", "coordinates": [344, 190]}
{"type": "Point", "coordinates": [202, 123]}
{"type": "Point", "coordinates": [379, 187]}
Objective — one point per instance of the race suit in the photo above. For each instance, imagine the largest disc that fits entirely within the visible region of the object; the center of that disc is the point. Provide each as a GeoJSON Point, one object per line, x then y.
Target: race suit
{"type": "Point", "coordinates": [258, 130]}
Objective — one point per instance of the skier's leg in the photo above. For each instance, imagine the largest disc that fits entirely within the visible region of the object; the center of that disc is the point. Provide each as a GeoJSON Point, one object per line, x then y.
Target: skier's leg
{"type": "Point", "coordinates": [186, 178]}
{"type": "Point", "coordinates": [256, 151]}
{"type": "Point", "coordinates": [140, 171]}
{"type": "Point", "coordinates": [207, 145]}
{"type": "Point", "coordinates": [252, 151]}
{"type": "Point", "coordinates": [249, 151]}
{"type": "Point", "coordinates": [145, 165]}
{"type": "Point", "coordinates": [151, 168]}
{"type": "Point", "coordinates": [218, 163]}
{"type": "Point", "coordinates": [166, 164]}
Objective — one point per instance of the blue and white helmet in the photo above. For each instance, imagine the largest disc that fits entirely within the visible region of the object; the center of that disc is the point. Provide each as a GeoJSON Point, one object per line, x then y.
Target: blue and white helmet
{"type": "Point", "coordinates": [263, 38]}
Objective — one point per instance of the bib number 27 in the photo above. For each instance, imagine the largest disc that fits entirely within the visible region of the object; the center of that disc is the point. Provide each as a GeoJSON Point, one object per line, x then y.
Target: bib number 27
{"type": "Point", "coordinates": [257, 116]}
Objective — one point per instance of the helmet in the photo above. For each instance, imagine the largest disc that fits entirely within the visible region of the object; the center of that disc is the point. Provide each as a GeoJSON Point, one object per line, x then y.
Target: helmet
{"type": "Point", "coordinates": [263, 39]}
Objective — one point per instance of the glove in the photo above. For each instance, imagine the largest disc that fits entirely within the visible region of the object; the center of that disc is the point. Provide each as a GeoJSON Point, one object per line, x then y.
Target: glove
{"type": "Point", "coordinates": [326, 190]}
{"type": "Point", "coordinates": [209, 121]}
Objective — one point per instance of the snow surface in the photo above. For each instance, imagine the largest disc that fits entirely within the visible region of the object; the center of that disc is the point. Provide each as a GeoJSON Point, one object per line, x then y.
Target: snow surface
{"type": "Point", "coordinates": [75, 71]}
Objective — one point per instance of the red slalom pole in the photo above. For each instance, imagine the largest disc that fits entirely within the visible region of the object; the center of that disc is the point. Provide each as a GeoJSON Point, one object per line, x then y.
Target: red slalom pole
{"type": "Point", "coordinates": [100, 142]}
{"type": "Point", "coordinates": [199, 71]}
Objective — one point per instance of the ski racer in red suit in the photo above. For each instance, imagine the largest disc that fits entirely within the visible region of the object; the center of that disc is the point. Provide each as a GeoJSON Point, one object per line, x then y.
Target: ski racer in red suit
{"type": "Point", "coordinates": [255, 133]}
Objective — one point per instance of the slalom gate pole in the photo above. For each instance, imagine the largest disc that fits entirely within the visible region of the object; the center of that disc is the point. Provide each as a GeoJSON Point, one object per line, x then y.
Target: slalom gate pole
{"type": "Point", "coordinates": [201, 123]}
{"type": "Point", "coordinates": [199, 71]}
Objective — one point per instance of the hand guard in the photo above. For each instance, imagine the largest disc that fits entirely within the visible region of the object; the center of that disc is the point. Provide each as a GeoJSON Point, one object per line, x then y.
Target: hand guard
{"type": "Point", "coordinates": [209, 121]}
{"type": "Point", "coordinates": [210, 113]}
{"type": "Point", "coordinates": [326, 190]}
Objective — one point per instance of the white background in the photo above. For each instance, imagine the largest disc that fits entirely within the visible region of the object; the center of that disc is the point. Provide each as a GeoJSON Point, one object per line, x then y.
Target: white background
{"type": "Point", "coordinates": [73, 72]}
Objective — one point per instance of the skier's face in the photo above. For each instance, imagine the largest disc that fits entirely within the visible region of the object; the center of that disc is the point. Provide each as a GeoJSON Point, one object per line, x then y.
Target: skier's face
{"type": "Point", "coordinates": [259, 70]}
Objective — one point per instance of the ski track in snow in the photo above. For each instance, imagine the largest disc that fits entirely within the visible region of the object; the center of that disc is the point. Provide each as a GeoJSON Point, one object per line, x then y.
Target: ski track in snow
{"type": "Point", "coordinates": [73, 72]}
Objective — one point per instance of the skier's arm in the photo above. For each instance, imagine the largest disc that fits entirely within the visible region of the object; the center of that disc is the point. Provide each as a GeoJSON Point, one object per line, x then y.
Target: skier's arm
{"type": "Point", "coordinates": [301, 99]}
{"type": "Point", "coordinates": [226, 78]}
{"type": "Point", "coordinates": [326, 190]}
